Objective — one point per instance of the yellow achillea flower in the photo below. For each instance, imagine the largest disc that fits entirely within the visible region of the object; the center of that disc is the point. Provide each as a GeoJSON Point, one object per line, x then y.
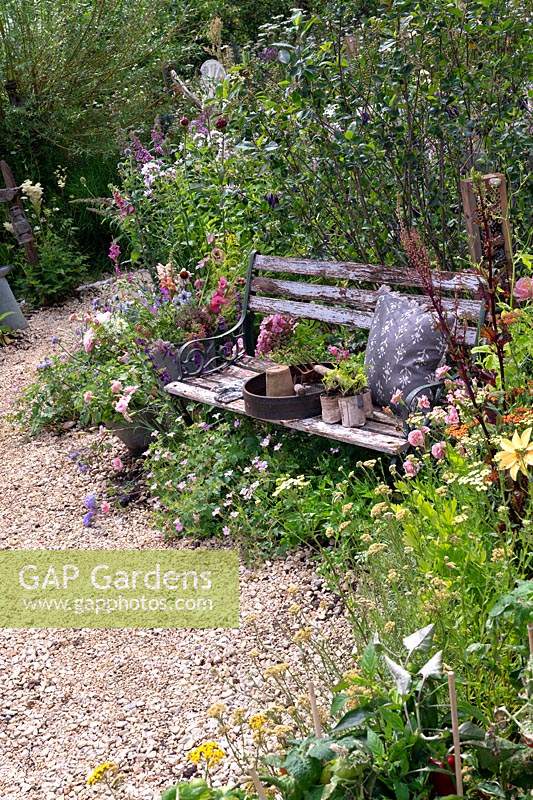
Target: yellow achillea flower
{"type": "Point", "coordinates": [258, 722]}
{"type": "Point", "coordinates": [210, 752]}
{"type": "Point", "coordinates": [100, 772]}
{"type": "Point", "coordinates": [516, 454]}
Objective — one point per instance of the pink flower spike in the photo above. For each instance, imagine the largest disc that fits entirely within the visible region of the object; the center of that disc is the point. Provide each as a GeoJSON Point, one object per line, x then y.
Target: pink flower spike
{"type": "Point", "coordinates": [116, 387]}
{"type": "Point", "coordinates": [523, 289]}
{"type": "Point", "coordinates": [105, 507]}
{"type": "Point", "coordinates": [117, 464]}
{"type": "Point", "coordinates": [438, 450]}
{"type": "Point", "coordinates": [87, 397]}
{"type": "Point", "coordinates": [416, 438]}
{"type": "Point", "coordinates": [178, 525]}
{"type": "Point", "coordinates": [129, 390]}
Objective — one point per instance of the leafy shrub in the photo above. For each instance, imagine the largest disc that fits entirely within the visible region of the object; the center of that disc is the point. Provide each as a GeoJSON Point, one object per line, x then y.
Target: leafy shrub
{"type": "Point", "coordinates": [59, 270]}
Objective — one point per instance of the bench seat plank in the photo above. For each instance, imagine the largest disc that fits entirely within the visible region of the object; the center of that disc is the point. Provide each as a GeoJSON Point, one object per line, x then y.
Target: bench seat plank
{"type": "Point", "coordinates": [376, 435]}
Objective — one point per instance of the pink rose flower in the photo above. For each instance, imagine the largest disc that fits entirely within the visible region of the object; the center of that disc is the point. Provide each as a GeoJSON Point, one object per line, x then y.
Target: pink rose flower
{"type": "Point", "coordinates": [105, 507]}
{"type": "Point", "coordinates": [87, 397]}
{"type": "Point", "coordinates": [423, 401]}
{"type": "Point", "coordinates": [117, 464]}
{"type": "Point", "coordinates": [410, 468]}
{"type": "Point", "coordinates": [440, 372]}
{"type": "Point", "coordinates": [523, 289]}
{"type": "Point", "coordinates": [438, 450]}
{"type": "Point", "coordinates": [416, 438]}
{"type": "Point", "coordinates": [89, 339]}
{"type": "Point", "coordinates": [116, 387]}
{"type": "Point", "coordinates": [452, 417]}
{"type": "Point", "coordinates": [397, 397]}
{"type": "Point", "coordinates": [121, 406]}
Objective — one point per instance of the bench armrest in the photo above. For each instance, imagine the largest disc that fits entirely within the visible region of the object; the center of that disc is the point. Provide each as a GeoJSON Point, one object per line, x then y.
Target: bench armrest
{"type": "Point", "coordinates": [204, 356]}
{"type": "Point", "coordinates": [432, 390]}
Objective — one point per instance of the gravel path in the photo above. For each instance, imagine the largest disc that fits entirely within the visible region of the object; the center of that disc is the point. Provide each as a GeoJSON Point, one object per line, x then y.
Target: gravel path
{"type": "Point", "coordinates": [73, 698]}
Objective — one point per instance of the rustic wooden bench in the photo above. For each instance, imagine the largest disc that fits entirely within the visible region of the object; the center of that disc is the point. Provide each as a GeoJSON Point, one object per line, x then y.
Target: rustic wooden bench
{"type": "Point", "coordinates": [337, 293]}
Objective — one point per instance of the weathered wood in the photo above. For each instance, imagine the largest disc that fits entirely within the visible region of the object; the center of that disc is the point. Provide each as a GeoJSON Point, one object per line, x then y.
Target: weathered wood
{"type": "Point", "coordinates": [384, 441]}
{"type": "Point", "coordinates": [334, 315]}
{"type": "Point", "coordinates": [494, 190]}
{"type": "Point", "coordinates": [468, 282]}
{"type": "Point", "coordinates": [361, 299]}
{"type": "Point", "coordinates": [17, 212]}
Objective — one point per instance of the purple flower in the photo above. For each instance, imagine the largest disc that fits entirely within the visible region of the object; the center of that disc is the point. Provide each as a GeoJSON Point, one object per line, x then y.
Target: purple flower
{"type": "Point", "coordinates": [268, 54]}
{"type": "Point", "coordinates": [157, 140]}
{"type": "Point", "coordinates": [44, 364]}
{"type": "Point", "coordinates": [90, 502]}
{"type": "Point", "coordinates": [73, 455]}
{"type": "Point", "coordinates": [54, 339]}
{"type": "Point", "coordinates": [114, 252]}
{"type": "Point", "coordinates": [272, 199]}
{"type": "Point", "coordinates": [87, 519]}
{"type": "Point", "coordinates": [83, 468]}
{"type": "Point", "coordinates": [140, 153]}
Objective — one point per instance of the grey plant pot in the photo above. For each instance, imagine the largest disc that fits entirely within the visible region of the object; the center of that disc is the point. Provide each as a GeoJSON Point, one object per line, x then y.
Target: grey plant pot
{"type": "Point", "coordinates": [137, 436]}
{"type": "Point", "coordinates": [14, 318]}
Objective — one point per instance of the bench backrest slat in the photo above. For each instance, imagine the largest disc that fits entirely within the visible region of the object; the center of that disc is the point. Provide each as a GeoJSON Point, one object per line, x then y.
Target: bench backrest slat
{"type": "Point", "coordinates": [333, 315]}
{"type": "Point", "coordinates": [345, 293]}
{"type": "Point", "coordinates": [463, 282]}
{"type": "Point", "coordinates": [360, 299]}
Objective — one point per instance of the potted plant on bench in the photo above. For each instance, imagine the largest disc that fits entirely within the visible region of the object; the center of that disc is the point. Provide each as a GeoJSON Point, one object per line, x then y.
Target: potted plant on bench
{"type": "Point", "coordinates": [348, 383]}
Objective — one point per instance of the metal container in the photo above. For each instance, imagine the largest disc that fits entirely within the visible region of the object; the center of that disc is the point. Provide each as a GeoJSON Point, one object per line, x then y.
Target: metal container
{"type": "Point", "coordinates": [258, 405]}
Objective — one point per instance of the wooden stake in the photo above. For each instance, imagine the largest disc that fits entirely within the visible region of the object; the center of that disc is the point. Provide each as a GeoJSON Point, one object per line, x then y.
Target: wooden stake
{"type": "Point", "coordinates": [317, 725]}
{"type": "Point", "coordinates": [530, 636]}
{"type": "Point", "coordinates": [259, 788]}
{"type": "Point", "coordinates": [455, 734]}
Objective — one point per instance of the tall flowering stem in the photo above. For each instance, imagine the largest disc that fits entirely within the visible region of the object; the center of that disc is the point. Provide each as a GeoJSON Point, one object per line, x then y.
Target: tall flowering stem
{"type": "Point", "coordinates": [458, 349]}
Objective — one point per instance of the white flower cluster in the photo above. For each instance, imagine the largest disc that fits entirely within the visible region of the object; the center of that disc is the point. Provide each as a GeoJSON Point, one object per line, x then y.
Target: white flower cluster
{"type": "Point", "coordinates": [33, 191]}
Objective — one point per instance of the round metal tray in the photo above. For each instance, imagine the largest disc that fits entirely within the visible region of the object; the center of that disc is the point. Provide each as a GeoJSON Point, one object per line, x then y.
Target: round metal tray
{"type": "Point", "coordinates": [258, 405]}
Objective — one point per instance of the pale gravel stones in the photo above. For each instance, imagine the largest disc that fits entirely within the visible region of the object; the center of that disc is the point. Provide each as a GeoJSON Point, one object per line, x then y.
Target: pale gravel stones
{"type": "Point", "coordinates": [71, 699]}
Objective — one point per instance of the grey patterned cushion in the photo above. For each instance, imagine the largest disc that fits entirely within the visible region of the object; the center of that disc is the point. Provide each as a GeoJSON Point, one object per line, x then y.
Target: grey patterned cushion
{"type": "Point", "coordinates": [404, 347]}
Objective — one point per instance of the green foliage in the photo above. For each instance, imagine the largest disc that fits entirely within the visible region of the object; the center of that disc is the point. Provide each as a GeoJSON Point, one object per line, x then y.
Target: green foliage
{"type": "Point", "coordinates": [198, 789]}
{"type": "Point", "coordinates": [228, 472]}
{"type": "Point", "coordinates": [348, 378]}
{"type": "Point", "coordinates": [60, 269]}
{"type": "Point", "coordinates": [394, 739]}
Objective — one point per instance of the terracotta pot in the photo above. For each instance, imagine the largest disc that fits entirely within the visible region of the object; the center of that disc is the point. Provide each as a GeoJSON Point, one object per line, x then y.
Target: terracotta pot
{"type": "Point", "coordinates": [331, 412]}
{"type": "Point", "coordinates": [367, 402]}
{"type": "Point", "coordinates": [279, 382]}
{"type": "Point", "coordinates": [352, 411]}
